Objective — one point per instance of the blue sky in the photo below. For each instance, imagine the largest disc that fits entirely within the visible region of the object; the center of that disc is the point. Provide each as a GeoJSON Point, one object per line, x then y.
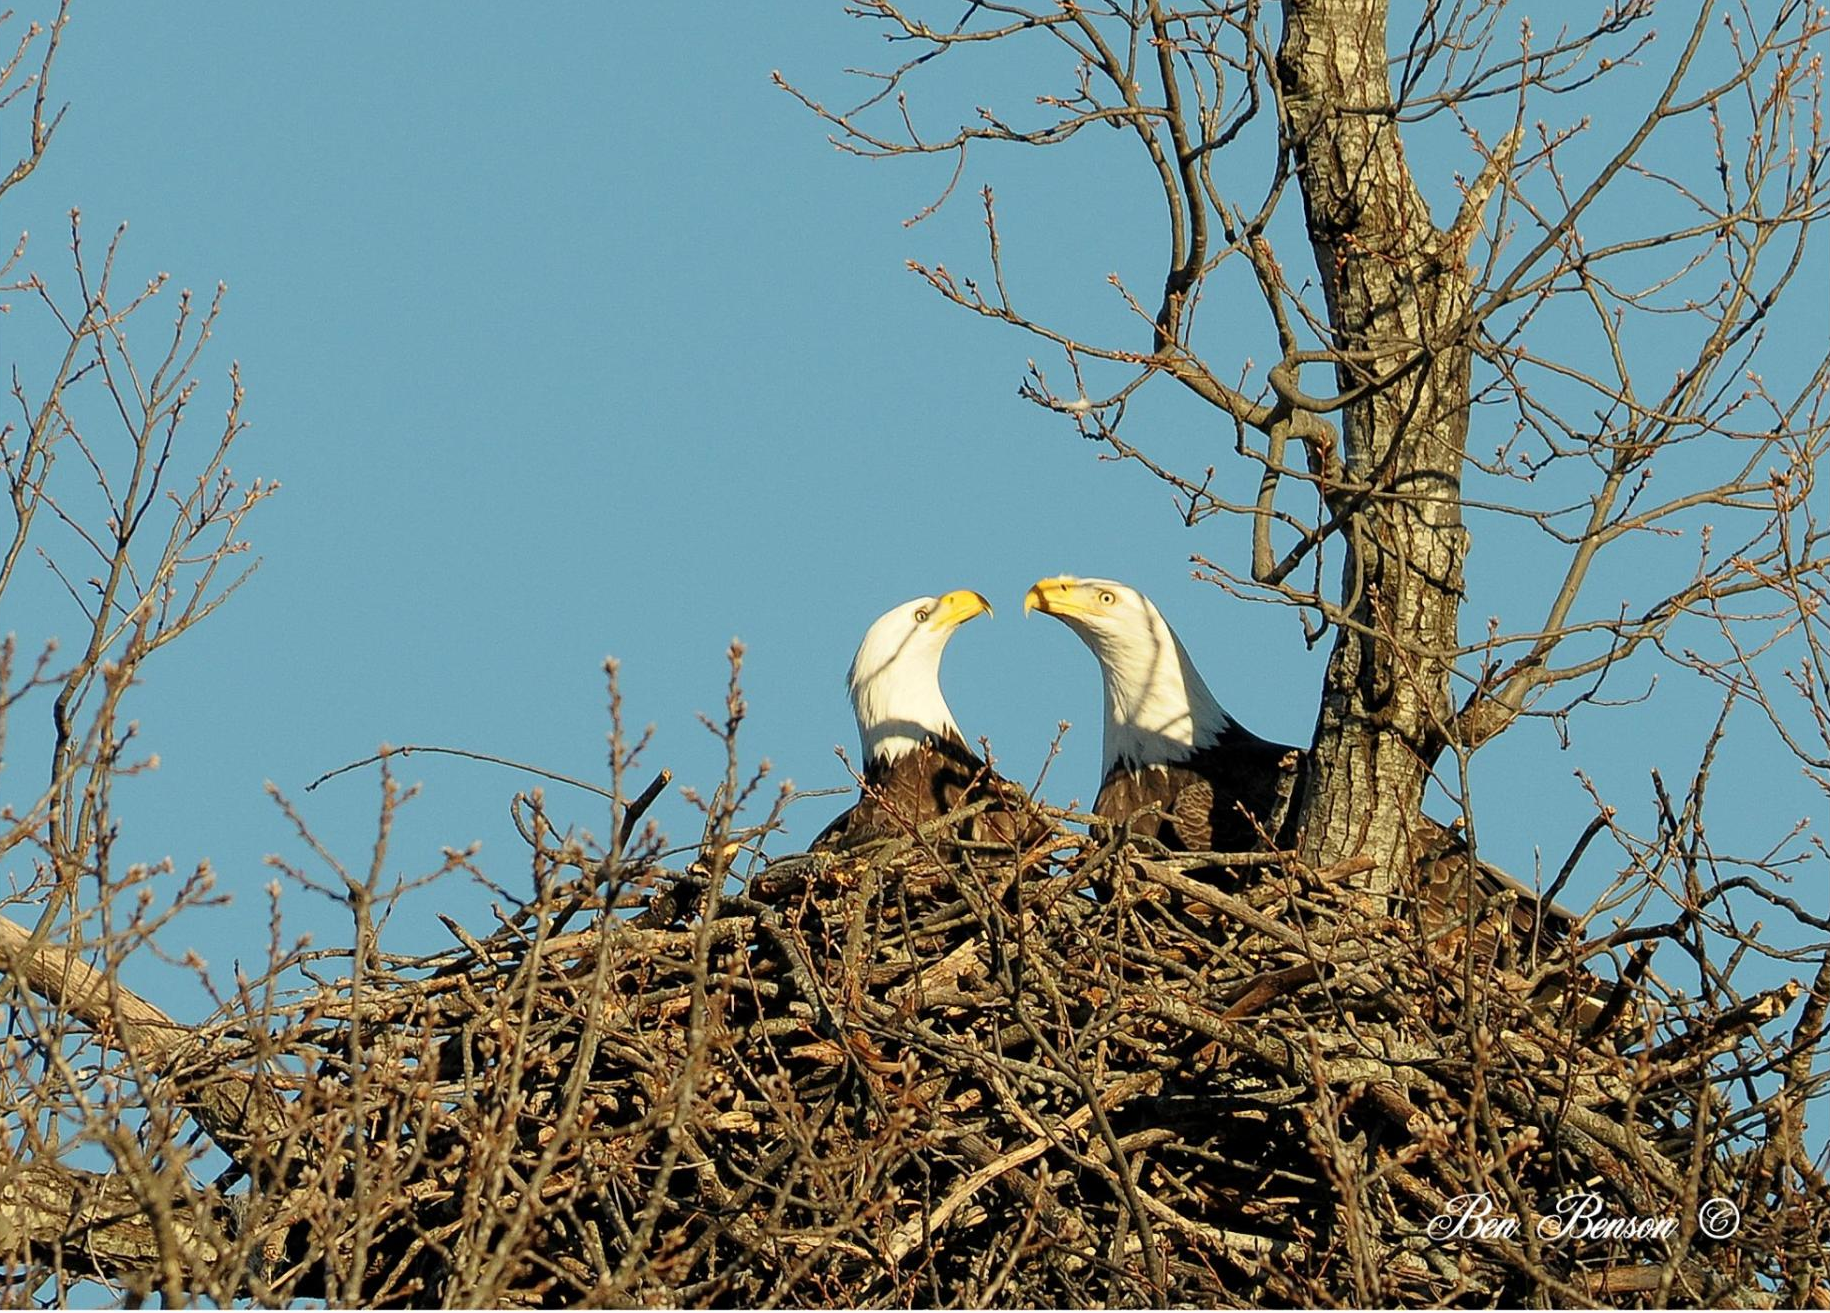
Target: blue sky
{"type": "Point", "coordinates": [574, 337]}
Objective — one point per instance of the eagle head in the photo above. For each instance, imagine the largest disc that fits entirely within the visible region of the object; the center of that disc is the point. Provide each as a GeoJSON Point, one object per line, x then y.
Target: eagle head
{"type": "Point", "coordinates": [1157, 708]}
{"type": "Point", "coordinates": [895, 676]}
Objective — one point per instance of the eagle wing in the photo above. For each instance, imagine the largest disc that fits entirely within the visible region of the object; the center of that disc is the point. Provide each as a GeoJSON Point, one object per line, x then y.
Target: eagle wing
{"type": "Point", "coordinates": [1455, 888]}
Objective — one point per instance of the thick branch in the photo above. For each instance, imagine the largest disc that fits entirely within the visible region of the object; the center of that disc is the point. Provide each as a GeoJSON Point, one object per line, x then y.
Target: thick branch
{"type": "Point", "coordinates": [241, 1114]}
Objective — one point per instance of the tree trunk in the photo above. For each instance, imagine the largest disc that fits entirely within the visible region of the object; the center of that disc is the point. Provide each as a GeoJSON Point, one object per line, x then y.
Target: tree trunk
{"type": "Point", "coordinates": [1396, 288]}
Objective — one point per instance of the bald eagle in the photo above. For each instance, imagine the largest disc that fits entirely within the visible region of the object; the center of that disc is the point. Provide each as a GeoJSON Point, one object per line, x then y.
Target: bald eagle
{"type": "Point", "coordinates": [1168, 742]}
{"type": "Point", "coordinates": [1216, 786]}
{"type": "Point", "coordinates": [917, 766]}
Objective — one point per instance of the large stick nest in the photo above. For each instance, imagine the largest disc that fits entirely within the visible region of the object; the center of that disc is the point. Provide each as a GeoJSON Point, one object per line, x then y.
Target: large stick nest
{"type": "Point", "coordinates": [944, 1076]}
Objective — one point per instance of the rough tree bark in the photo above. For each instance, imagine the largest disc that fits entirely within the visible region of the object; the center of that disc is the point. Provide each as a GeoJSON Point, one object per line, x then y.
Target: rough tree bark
{"type": "Point", "coordinates": [1398, 289]}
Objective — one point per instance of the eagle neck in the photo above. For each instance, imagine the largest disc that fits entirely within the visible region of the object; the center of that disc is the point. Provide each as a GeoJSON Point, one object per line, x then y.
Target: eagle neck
{"type": "Point", "coordinates": [899, 712]}
{"type": "Point", "coordinates": [1158, 710]}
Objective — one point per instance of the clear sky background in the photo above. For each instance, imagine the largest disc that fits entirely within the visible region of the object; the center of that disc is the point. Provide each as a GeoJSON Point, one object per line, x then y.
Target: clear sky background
{"type": "Point", "coordinates": [569, 336]}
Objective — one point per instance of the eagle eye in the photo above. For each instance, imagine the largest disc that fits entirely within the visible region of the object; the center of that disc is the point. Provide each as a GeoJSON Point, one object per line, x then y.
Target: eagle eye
{"type": "Point", "coordinates": [921, 615]}
{"type": "Point", "coordinates": [1106, 597]}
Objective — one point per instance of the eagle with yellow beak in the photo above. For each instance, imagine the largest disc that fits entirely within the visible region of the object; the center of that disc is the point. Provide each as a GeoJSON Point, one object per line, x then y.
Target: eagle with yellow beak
{"type": "Point", "coordinates": [1181, 770]}
{"type": "Point", "coordinates": [1169, 745]}
{"type": "Point", "coordinates": [916, 765]}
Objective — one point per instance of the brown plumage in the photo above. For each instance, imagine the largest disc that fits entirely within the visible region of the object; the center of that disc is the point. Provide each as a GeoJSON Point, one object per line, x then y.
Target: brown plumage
{"type": "Point", "coordinates": [1510, 925]}
{"type": "Point", "coordinates": [939, 777]}
{"type": "Point", "coordinates": [1223, 798]}
{"type": "Point", "coordinates": [1228, 797]}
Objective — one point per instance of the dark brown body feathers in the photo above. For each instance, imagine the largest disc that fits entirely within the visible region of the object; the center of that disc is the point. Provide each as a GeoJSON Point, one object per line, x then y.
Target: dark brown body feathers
{"type": "Point", "coordinates": [1218, 799]}
{"type": "Point", "coordinates": [1231, 796]}
{"type": "Point", "coordinates": [938, 778]}
{"type": "Point", "coordinates": [1458, 911]}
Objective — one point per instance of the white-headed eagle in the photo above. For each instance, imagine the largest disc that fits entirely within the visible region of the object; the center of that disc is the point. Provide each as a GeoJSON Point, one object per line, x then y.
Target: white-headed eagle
{"type": "Point", "coordinates": [1217, 787]}
{"type": "Point", "coordinates": [1168, 742]}
{"type": "Point", "coordinates": [916, 764]}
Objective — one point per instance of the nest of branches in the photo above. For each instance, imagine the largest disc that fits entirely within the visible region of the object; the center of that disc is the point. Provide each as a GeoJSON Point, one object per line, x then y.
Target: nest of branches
{"type": "Point", "coordinates": [1084, 1074]}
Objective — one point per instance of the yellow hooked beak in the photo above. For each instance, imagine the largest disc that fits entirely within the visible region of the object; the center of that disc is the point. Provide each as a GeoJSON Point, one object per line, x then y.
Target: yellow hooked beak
{"type": "Point", "coordinates": [1057, 596]}
{"type": "Point", "coordinates": [957, 607]}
